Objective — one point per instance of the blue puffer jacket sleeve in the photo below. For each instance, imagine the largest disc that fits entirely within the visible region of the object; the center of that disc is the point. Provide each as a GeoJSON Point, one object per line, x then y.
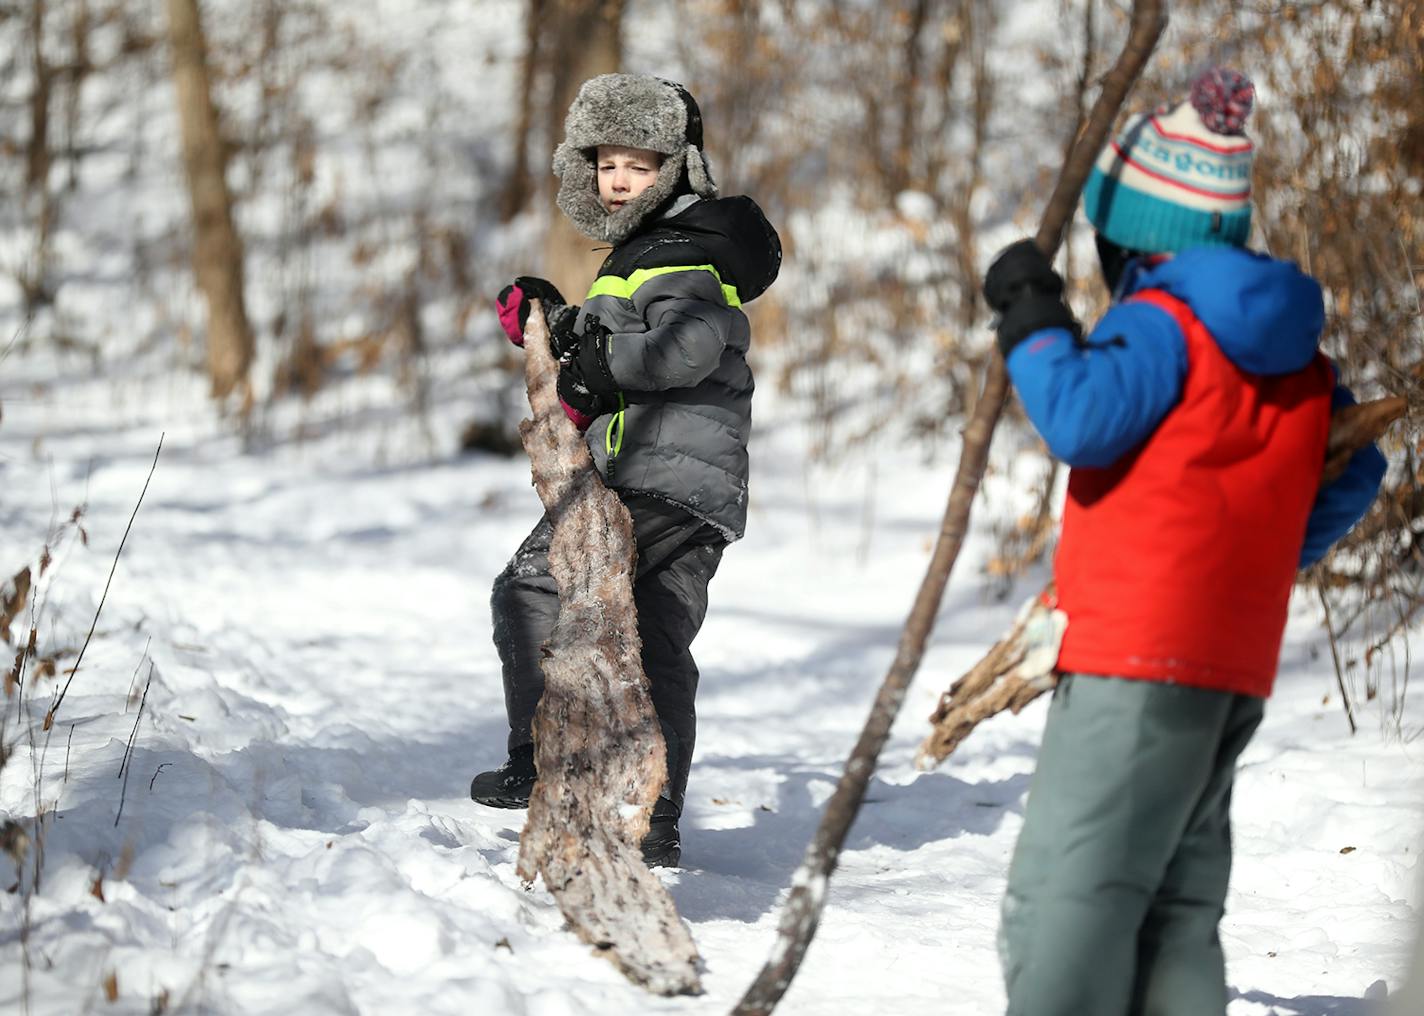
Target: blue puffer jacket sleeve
{"type": "Point", "coordinates": [1095, 401]}
{"type": "Point", "coordinates": [1344, 502]}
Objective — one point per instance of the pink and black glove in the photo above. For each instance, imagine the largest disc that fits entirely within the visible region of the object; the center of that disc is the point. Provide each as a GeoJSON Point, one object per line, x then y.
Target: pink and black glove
{"type": "Point", "coordinates": [513, 305]}
{"type": "Point", "coordinates": [586, 386]}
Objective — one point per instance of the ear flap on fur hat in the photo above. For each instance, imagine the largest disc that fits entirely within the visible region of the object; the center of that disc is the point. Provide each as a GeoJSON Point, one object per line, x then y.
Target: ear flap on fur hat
{"type": "Point", "coordinates": [578, 190]}
{"type": "Point", "coordinates": [636, 111]}
{"type": "Point", "coordinates": [699, 173]}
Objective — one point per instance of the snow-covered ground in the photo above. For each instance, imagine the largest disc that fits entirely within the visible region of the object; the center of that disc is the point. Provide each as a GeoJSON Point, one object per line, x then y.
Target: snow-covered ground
{"type": "Point", "coordinates": [311, 608]}
{"type": "Point", "coordinates": [296, 836]}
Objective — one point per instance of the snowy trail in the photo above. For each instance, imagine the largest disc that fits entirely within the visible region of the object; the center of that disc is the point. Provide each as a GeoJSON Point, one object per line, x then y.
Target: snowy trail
{"type": "Point", "coordinates": [296, 835]}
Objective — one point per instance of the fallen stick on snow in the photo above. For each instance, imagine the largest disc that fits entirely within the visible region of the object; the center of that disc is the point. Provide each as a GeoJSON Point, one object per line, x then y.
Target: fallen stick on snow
{"type": "Point", "coordinates": [598, 748]}
{"type": "Point", "coordinates": [1007, 678]}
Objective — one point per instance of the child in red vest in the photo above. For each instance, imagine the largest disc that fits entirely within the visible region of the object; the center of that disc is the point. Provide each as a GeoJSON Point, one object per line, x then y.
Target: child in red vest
{"type": "Point", "coordinates": [1194, 417]}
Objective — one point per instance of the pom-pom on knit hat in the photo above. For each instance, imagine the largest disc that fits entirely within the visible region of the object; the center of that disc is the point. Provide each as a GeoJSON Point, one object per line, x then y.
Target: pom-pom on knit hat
{"type": "Point", "coordinates": [633, 111]}
{"type": "Point", "coordinates": [1179, 177]}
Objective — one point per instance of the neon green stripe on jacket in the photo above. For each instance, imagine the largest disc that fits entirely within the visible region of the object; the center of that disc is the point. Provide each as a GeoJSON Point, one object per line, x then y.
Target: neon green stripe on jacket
{"type": "Point", "coordinates": [613, 285]}
{"type": "Point", "coordinates": [613, 439]}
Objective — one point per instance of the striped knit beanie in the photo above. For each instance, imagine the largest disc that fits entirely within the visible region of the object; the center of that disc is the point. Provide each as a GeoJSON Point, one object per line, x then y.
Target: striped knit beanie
{"type": "Point", "coordinates": [1179, 177]}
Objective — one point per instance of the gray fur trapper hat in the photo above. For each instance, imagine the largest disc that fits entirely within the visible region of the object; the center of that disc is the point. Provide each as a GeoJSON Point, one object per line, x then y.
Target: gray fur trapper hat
{"type": "Point", "coordinates": [632, 111]}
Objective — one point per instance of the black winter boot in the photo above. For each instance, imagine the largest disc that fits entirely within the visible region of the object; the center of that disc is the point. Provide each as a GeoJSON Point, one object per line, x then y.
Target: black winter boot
{"type": "Point", "coordinates": [662, 847]}
{"type": "Point", "coordinates": [509, 785]}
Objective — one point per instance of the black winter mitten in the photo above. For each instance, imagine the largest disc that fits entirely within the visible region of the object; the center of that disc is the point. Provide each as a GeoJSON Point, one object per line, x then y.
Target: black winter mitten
{"type": "Point", "coordinates": [1027, 294]}
{"type": "Point", "coordinates": [585, 382]}
{"type": "Point", "coordinates": [590, 359]}
{"type": "Point", "coordinates": [561, 319]}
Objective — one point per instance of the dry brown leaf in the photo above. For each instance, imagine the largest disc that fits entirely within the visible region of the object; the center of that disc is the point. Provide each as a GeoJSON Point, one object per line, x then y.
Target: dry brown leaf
{"type": "Point", "coordinates": [13, 595]}
{"type": "Point", "coordinates": [12, 676]}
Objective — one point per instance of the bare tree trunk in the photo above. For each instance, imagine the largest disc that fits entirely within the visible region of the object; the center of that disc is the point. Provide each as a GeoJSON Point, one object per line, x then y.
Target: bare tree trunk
{"type": "Point", "coordinates": [995, 683]}
{"type": "Point", "coordinates": [520, 186]}
{"type": "Point", "coordinates": [731, 37]}
{"type": "Point", "coordinates": [589, 42]}
{"type": "Point", "coordinates": [1081, 85]}
{"type": "Point", "coordinates": [910, 98]}
{"type": "Point", "coordinates": [217, 248]}
{"type": "Point", "coordinates": [978, 27]}
{"type": "Point", "coordinates": [33, 276]}
{"type": "Point", "coordinates": [78, 72]}
{"type": "Point", "coordinates": [37, 150]}
{"type": "Point", "coordinates": [955, 29]}
{"type": "Point", "coordinates": [802, 912]}
{"type": "Point", "coordinates": [598, 748]}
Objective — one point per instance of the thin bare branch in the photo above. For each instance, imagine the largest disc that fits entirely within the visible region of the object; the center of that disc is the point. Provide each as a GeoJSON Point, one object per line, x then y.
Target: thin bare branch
{"type": "Point", "coordinates": [124, 767]}
{"type": "Point", "coordinates": [59, 700]}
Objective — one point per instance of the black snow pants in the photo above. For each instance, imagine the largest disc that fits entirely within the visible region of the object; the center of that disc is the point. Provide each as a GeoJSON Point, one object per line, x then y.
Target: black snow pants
{"type": "Point", "coordinates": [677, 556]}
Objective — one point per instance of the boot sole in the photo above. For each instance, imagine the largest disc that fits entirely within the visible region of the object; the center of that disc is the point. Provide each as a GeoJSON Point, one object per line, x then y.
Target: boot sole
{"type": "Point", "coordinates": [501, 798]}
{"type": "Point", "coordinates": [511, 803]}
{"type": "Point", "coordinates": [667, 859]}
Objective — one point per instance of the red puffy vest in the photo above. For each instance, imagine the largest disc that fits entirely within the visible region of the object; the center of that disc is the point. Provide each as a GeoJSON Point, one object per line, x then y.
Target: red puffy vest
{"type": "Point", "coordinates": [1176, 563]}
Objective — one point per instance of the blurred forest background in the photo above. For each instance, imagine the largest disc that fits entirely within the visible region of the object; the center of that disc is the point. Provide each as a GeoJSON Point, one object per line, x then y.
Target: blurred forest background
{"type": "Point", "coordinates": [295, 213]}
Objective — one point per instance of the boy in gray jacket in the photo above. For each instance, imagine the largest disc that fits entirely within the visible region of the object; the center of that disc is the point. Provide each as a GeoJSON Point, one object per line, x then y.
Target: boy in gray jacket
{"type": "Point", "coordinates": [653, 368]}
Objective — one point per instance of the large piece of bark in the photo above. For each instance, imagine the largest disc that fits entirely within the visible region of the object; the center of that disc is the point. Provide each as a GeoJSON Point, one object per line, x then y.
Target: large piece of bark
{"type": "Point", "coordinates": [996, 683]}
{"type": "Point", "coordinates": [803, 908]}
{"type": "Point", "coordinates": [597, 745]}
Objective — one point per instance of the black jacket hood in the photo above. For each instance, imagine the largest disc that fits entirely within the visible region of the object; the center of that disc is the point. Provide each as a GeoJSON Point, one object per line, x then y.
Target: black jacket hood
{"type": "Point", "coordinates": [732, 233]}
{"type": "Point", "coordinates": [739, 239]}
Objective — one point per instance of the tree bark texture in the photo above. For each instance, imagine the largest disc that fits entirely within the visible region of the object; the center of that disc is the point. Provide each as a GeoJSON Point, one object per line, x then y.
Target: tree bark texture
{"type": "Point", "coordinates": [217, 248]}
{"type": "Point", "coordinates": [909, 90]}
{"type": "Point", "coordinates": [588, 42]}
{"type": "Point", "coordinates": [37, 148]}
{"type": "Point", "coordinates": [598, 748]}
{"type": "Point", "coordinates": [802, 911]}
{"type": "Point", "coordinates": [40, 203]}
{"type": "Point", "coordinates": [993, 684]}
{"type": "Point", "coordinates": [520, 185]}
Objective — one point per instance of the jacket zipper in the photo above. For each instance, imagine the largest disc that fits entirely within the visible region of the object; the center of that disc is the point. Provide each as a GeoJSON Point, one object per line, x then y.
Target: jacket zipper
{"type": "Point", "coordinates": [613, 438]}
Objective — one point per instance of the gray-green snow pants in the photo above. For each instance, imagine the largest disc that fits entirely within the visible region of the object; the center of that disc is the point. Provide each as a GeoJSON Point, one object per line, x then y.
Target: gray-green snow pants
{"type": "Point", "coordinates": [1119, 878]}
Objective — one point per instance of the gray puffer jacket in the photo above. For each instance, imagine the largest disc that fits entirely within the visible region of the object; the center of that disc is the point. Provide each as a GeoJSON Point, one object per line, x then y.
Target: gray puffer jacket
{"type": "Point", "coordinates": [670, 297]}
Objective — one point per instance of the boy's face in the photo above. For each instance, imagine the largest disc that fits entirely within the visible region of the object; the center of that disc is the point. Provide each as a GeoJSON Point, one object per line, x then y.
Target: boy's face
{"type": "Point", "coordinates": [624, 173]}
